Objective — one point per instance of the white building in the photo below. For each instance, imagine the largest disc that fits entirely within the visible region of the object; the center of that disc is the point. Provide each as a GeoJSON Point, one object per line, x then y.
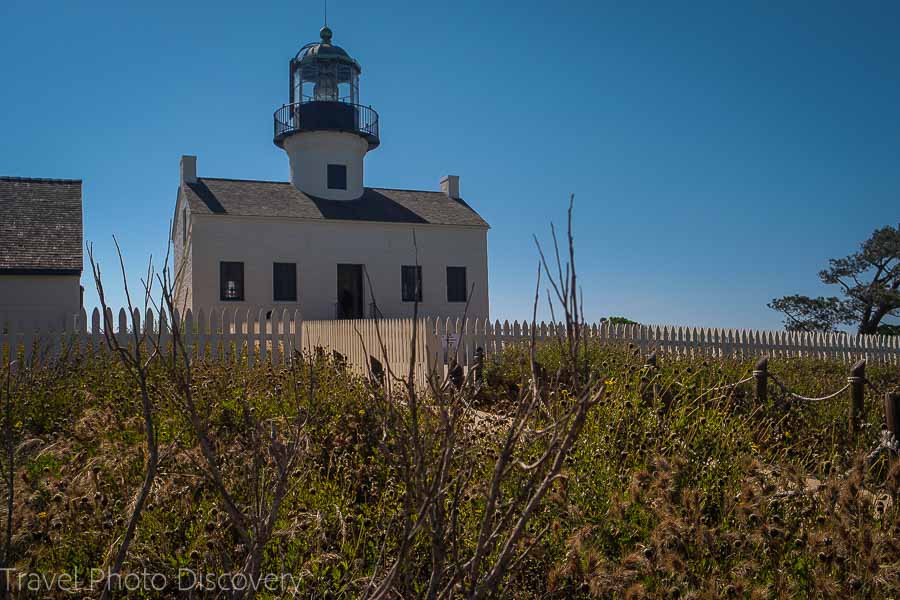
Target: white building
{"type": "Point", "coordinates": [323, 242]}
{"type": "Point", "coordinates": [40, 251]}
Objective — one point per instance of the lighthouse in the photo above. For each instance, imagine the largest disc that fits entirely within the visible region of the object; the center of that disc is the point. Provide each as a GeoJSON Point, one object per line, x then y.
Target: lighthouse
{"type": "Point", "coordinates": [322, 242]}
{"type": "Point", "coordinates": [324, 130]}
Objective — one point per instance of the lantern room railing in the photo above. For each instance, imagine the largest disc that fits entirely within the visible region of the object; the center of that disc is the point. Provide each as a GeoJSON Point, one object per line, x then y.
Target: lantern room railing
{"type": "Point", "coordinates": [320, 115]}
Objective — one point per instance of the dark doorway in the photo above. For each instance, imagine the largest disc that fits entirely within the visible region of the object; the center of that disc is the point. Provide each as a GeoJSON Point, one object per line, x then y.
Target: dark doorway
{"type": "Point", "coordinates": [350, 291]}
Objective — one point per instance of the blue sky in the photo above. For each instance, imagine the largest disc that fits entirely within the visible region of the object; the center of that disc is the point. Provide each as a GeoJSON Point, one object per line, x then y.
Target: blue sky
{"type": "Point", "coordinates": [719, 154]}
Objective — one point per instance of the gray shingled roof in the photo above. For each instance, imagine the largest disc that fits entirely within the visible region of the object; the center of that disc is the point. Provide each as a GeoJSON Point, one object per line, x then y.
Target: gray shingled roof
{"type": "Point", "coordinates": [40, 225]}
{"type": "Point", "coordinates": [242, 197]}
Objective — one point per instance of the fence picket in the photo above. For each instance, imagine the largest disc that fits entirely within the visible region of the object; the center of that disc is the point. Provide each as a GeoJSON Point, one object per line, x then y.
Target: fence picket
{"type": "Point", "coordinates": [262, 328]}
{"type": "Point", "coordinates": [187, 336]}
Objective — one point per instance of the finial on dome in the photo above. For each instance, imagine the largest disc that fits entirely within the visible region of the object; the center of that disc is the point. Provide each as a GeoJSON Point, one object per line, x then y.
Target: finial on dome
{"type": "Point", "coordinates": [325, 34]}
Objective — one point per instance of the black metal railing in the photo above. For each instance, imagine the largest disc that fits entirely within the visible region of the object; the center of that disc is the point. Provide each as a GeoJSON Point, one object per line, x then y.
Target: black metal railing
{"type": "Point", "coordinates": [328, 116]}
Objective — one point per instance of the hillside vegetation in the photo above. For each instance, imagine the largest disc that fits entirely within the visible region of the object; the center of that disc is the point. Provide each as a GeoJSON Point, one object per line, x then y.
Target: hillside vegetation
{"type": "Point", "coordinates": [670, 490]}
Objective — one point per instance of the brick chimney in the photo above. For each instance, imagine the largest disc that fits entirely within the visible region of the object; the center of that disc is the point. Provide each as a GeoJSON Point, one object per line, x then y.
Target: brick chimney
{"type": "Point", "coordinates": [188, 169]}
{"type": "Point", "coordinates": [450, 186]}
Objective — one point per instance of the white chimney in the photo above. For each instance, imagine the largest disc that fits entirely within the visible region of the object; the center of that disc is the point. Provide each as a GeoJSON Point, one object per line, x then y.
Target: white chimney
{"type": "Point", "coordinates": [450, 186]}
{"type": "Point", "coordinates": [188, 169]}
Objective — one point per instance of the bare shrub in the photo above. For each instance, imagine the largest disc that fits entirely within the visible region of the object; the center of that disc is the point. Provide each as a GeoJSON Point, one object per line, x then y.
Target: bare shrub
{"type": "Point", "coordinates": [136, 357]}
{"type": "Point", "coordinates": [272, 447]}
{"type": "Point", "coordinates": [436, 443]}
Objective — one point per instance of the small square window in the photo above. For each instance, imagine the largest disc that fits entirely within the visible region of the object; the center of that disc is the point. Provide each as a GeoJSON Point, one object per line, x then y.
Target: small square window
{"type": "Point", "coordinates": [231, 281]}
{"type": "Point", "coordinates": [411, 284]}
{"type": "Point", "coordinates": [284, 282]}
{"type": "Point", "coordinates": [337, 177]}
{"type": "Point", "coordinates": [456, 284]}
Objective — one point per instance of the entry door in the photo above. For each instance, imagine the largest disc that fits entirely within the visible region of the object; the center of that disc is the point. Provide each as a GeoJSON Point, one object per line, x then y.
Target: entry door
{"type": "Point", "coordinates": [350, 291]}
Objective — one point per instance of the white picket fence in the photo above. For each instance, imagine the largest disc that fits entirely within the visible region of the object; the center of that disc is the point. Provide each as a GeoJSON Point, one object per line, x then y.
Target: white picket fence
{"type": "Point", "coordinates": [273, 335]}
{"type": "Point", "coordinates": [682, 341]}
{"type": "Point", "coordinates": [252, 336]}
{"type": "Point", "coordinates": [441, 341]}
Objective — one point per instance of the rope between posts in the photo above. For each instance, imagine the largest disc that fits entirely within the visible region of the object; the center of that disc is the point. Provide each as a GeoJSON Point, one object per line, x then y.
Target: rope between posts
{"type": "Point", "coordinates": [796, 396]}
{"type": "Point", "coordinates": [719, 388]}
{"type": "Point", "coordinates": [730, 385]}
{"type": "Point", "coordinates": [787, 391]}
{"type": "Point", "coordinates": [828, 397]}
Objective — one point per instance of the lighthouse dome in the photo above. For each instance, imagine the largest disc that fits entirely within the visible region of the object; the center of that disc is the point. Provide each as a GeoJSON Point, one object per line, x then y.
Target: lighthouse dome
{"type": "Point", "coordinates": [325, 50]}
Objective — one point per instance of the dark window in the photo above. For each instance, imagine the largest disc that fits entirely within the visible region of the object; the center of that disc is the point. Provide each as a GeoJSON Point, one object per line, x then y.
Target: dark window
{"type": "Point", "coordinates": [284, 282]}
{"type": "Point", "coordinates": [337, 177]}
{"type": "Point", "coordinates": [456, 284]}
{"type": "Point", "coordinates": [412, 283]}
{"type": "Point", "coordinates": [231, 281]}
{"type": "Point", "coordinates": [184, 226]}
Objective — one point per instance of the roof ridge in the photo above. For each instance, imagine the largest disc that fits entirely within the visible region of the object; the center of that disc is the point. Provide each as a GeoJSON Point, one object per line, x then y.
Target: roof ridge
{"type": "Point", "coordinates": [407, 190]}
{"type": "Point", "coordinates": [246, 180]}
{"type": "Point", "coordinates": [392, 189]}
{"type": "Point", "coordinates": [38, 179]}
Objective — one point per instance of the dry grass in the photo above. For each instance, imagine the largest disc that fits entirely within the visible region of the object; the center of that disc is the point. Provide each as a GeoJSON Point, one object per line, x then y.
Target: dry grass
{"type": "Point", "coordinates": [676, 494]}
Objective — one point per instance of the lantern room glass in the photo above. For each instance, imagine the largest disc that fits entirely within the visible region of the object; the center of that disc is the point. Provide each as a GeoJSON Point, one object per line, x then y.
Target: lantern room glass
{"type": "Point", "coordinates": [325, 80]}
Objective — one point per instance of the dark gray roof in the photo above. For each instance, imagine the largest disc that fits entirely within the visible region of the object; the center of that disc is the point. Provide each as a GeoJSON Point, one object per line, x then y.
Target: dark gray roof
{"type": "Point", "coordinates": [40, 225]}
{"type": "Point", "coordinates": [241, 197]}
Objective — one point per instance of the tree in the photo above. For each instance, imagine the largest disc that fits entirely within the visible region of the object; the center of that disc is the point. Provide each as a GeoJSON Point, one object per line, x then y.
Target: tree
{"type": "Point", "coordinates": [868, 279]}
{"type": "Point", "coordinates": [619, 321]}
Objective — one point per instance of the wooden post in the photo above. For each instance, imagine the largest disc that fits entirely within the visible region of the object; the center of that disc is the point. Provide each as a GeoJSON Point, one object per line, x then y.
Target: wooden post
{"type": "Point", "coordinates": [455, 373]}
{"type": "Point", "coordinates": [761, 374]}
{"type": "Point", "coordinates": [377, 370]}
{"type": "Point", "coordinates": [648, 392]}
{"type": "Point", "coordinates": [857, 381]}
{"type": "Point", "coordinates": [479, 364]}
{"type": "Point", "coordinates": [892, 413]}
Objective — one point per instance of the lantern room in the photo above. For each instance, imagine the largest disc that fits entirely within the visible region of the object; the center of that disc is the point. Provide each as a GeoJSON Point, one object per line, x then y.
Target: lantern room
{"type": "Point", "coordinates": [323, 72]}
{"type": "Point", "coordinates": [324, 94]}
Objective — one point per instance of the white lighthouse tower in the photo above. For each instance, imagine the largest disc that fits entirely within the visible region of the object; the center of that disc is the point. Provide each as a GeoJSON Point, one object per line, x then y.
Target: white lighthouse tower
{"type": "Point", "coordinates": [324, 130]}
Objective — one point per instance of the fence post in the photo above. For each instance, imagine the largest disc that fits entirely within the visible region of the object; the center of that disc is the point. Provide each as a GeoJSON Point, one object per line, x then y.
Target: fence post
{"type": "Point", "coordinates": [892, 413]}
{"type": "Point", "coordinates": [455, 373]}
{"type": "Point", "coordinates": [648, 391]}
{"type": "Point", "coordinates": [377, 370]}
{"type": "Point", "coordinates": [857, 381]}
{"type": "Point", "coordinates": [479, 364]}
{"type": "Point", "coordinates": [761, 374]}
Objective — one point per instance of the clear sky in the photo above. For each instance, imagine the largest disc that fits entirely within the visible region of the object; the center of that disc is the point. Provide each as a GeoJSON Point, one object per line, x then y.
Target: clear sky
{"type": "Point", "coordinates": [719, 153]}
